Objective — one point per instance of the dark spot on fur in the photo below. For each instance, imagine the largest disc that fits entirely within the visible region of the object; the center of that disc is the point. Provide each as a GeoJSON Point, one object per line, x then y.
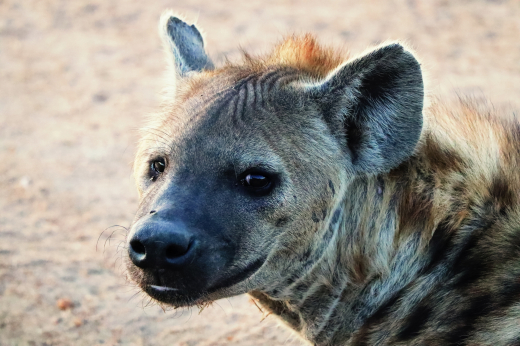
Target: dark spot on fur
{"type": "Point", "coordinates": [509, 293]}
{"type": "Point", "coordinates": [361, 338]}
{"type": "Point", "coordinates": [331, 185]}
{"type": "Point", "coordinates": [282, 221]}
{"type": "Point", "coordinates": [511, 246]}
{"type": "Point", "coordinates": [292, 279]}
{"type": "Point", "coordinates": [478, 307]}
{"type": "Point", "coordinates": [335, 216]}
{"type": "Point", "coordinates": [471, 262]}
{"type": "Point", "coordinates": [315, 217]}
{"type": "Point", "coordinates": [324, 213]}
{"type": "Point", "coordinates": [469, 270]}
{"type": "Point", "coordinates": [442, 159]}
{"type": "Point", "coordinates": [515, 342]}
{"type": "Point", "coordinates": [501, 193]}
{"type": "Point", "coordinates": [354, 137]}
{"type": "Point", "coordinates": [415, 323]}
{"type": "Point", "coordinates": [439, 244]}
{"type": "Point", "coordinates": [301, 288]}
{"type": "Point", "coordinates": [458, 336]}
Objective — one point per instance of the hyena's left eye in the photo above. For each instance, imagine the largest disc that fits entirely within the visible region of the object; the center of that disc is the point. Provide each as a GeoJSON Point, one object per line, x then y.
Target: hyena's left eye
{"type": "Point", "coordinates": [157, 166]}
{"type": "Point", "coordinates": [255, 181]}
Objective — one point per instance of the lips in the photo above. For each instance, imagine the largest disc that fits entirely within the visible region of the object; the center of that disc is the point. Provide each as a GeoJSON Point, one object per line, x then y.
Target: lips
{"type": "Point", "coordinates": [168, 295]}
{"type": "Point", "coordinates": [162, 288]}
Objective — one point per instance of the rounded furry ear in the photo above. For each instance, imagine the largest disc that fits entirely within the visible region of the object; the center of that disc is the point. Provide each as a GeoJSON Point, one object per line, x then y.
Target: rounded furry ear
{"type": "Point", "coordinates": [376, 102]}
{"type": "Point", "coordinates": [184, 45]}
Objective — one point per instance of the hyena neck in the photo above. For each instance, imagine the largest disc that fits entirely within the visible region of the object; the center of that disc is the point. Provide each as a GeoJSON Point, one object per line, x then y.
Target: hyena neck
{"type": "Point", "coordinates": [372, 252]}
{"type": "Point", "coordinates": [447, 214]}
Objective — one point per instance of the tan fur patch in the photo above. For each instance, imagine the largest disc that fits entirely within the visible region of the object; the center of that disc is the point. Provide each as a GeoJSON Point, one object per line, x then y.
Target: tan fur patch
{"type": "Point", "coordinates": [304, 53]}
{"type": "Point", "coordinates": [301, 52]}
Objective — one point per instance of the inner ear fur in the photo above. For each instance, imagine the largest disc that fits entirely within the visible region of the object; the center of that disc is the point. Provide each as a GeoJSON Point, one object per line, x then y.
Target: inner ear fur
{"type": "Point", "coordinates": [377, 100]}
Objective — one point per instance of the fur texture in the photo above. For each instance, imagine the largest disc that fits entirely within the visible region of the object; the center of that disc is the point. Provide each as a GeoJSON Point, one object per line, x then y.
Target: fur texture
{"type": "Point", "coordinates": [386, 223]}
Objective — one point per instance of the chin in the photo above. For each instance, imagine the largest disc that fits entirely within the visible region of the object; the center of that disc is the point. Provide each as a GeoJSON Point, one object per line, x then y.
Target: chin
{"type": "Point", "coordinates": [173, 297]}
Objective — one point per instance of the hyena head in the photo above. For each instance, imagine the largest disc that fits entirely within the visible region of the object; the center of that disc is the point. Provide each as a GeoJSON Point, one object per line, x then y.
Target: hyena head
{"type": "Point", "coordinates": [243, 173]}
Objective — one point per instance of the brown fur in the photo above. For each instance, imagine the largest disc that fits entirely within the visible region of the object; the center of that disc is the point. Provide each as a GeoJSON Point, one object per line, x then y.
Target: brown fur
{"type": "Point", "coordinates": [302, 53]}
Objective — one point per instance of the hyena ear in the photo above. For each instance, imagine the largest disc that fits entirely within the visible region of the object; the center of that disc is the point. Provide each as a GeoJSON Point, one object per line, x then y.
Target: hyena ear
{"type": "Point", "coordinates": [376, 101]}
{"type": "Point", "coordinates": [185, 43]}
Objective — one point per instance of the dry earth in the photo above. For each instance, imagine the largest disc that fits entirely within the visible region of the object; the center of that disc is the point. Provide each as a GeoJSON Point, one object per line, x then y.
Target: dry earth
{"type": "Point", "coordinates": [77, 78]}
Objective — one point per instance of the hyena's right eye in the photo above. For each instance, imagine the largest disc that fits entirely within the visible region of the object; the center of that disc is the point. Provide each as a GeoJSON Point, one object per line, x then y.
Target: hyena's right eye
{"type": "Point", "coordinates": [157, 166]}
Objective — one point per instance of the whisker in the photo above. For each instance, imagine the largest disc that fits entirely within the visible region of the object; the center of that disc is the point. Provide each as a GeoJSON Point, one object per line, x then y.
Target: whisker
{"type": "Point", "coordinates": [108, 239]}
{"type": "Point", "coordinates": [106, 230]}
{"type": "Point", "coordinates": [134, 295]}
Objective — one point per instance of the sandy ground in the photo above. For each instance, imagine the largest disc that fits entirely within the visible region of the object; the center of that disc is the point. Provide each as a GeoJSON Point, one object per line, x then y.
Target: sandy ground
{"type": "Point", "coordinates": [77, 78]}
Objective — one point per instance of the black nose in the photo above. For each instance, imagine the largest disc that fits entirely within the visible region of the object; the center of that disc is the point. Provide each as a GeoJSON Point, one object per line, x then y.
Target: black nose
{"type": "Point", "coordinates": [159, 244]}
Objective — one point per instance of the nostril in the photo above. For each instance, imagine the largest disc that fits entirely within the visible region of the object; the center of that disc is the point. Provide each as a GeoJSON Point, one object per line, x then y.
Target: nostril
{"type": "Point", "coordinates": [153, 212]}
{"type": "Point", "coordinates": [174, 251]}
{"type": "Point", "coordinates": [138, 247]}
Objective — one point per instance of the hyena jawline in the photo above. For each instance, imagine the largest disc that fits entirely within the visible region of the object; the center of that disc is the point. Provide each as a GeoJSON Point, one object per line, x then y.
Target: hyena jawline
{"type": "Point", "coordinates": [309, 181]}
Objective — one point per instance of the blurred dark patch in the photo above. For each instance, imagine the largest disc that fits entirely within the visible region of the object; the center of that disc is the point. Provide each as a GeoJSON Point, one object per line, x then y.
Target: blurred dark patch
{"type": "Point", "coordinates": [90, 8]}
{"type": "Point", "coordinates": [99, 97]}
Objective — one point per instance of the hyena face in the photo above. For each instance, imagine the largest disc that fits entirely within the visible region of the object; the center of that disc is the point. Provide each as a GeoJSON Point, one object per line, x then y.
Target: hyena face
{"type": "Point", "coordinates": [228, 195]}
{"type": "Point", "coordinates": [242, 178]}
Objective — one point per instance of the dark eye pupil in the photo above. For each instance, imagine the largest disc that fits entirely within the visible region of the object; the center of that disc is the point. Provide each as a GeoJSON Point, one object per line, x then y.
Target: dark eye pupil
{"type": "Point", "coordinates": [255, 180]}
{"type": "Point", "coordinates": [158, 166]}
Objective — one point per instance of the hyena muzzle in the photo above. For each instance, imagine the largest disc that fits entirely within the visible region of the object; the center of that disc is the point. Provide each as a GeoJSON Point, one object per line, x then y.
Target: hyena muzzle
{"type": "Point", "coordinates": [308, 180]}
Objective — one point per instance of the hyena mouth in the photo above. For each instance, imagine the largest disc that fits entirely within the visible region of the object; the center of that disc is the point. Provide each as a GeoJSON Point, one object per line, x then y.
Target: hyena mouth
{"type": "Point", "coordinates": [171, 288]}
{"type": "Point", "coordinates": [179, 291]}
{"type": "Point", "coordinates": [167, 295]}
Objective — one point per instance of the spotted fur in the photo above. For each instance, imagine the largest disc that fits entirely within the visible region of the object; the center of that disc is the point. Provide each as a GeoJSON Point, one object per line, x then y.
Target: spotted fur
{"type": "Point", "coordinates": [397, 227]}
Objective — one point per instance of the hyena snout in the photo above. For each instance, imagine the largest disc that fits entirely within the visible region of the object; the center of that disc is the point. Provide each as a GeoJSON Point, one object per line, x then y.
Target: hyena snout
{"type": "Point", "coordinates": [177, 255]}
{"type": "Point", "coordinates": [161, 244]}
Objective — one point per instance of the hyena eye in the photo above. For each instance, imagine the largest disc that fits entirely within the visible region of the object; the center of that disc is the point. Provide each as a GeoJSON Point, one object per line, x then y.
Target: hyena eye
{"type": "Point", "coordinates": [256, 181]}
{"type": "Point", "coordinates": [157, 166]}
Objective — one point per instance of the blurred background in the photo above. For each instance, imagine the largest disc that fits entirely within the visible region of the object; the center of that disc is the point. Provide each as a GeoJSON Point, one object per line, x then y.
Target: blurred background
{"type": "Point", "coordinates": [76, 81]}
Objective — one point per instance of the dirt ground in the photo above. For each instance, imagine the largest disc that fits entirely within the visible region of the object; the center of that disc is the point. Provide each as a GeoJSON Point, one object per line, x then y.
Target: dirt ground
{"type": "Point", "coordinates": [77, 79]}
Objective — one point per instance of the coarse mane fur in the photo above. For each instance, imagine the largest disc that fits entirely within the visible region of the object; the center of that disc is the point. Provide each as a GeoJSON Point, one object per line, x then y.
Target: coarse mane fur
{"type": "Point", "coordinates": [301, 52]}
{"type": "Point", "coordinates": [465, 161]}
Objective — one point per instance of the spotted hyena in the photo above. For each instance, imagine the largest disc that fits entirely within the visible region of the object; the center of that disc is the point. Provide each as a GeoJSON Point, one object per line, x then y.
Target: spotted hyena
{"type": "Point", "coordinates": [322, 186]}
